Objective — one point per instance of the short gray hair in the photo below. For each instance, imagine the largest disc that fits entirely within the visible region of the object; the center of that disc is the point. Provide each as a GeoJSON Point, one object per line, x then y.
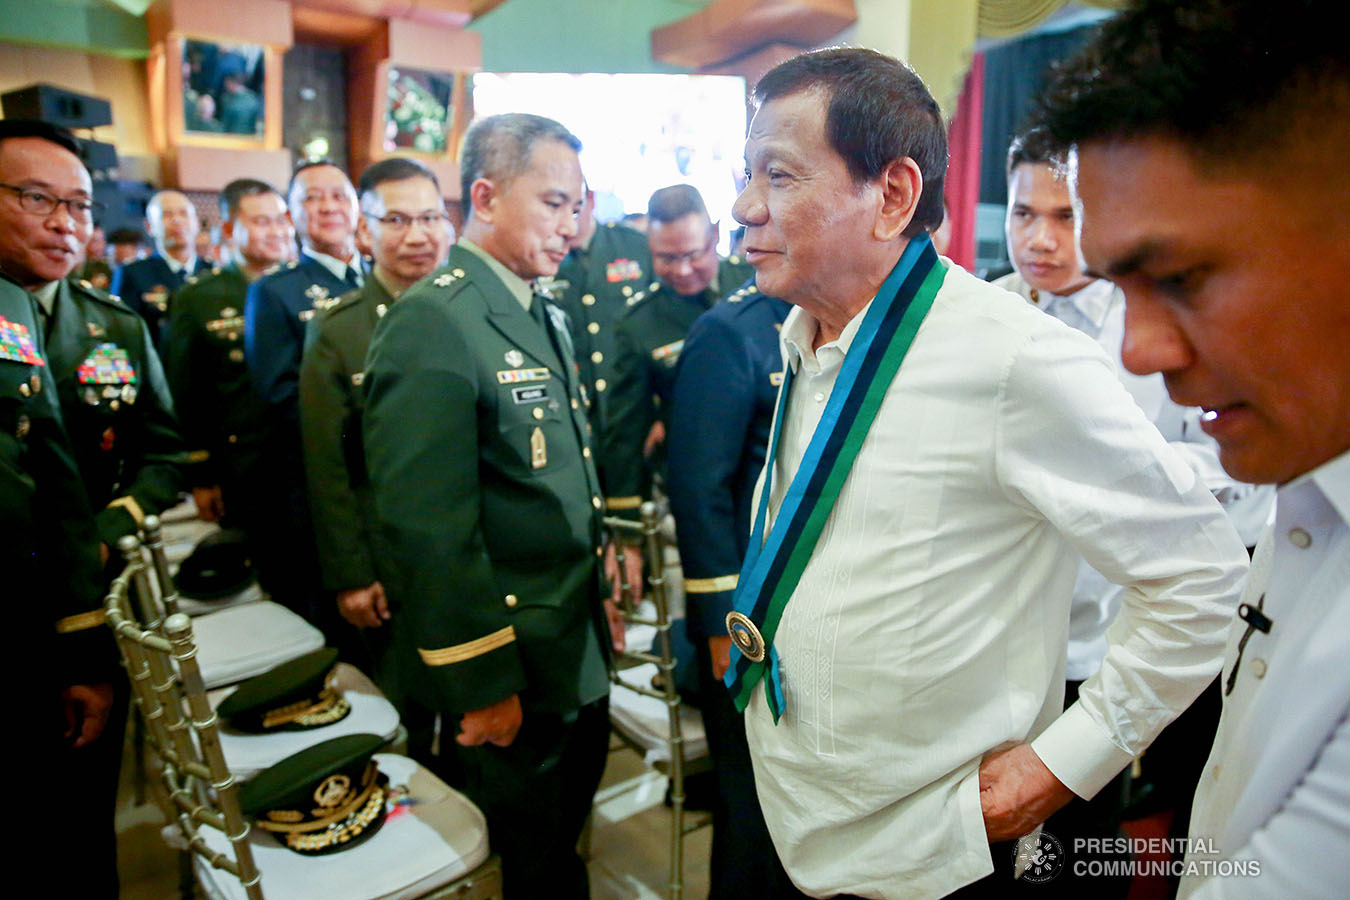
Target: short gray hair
{"type": "Point", "coordinates": [499, 148]}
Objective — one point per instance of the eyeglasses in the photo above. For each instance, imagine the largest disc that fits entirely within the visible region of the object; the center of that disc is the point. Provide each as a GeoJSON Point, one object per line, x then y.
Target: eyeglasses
{"type": "Point", "coordinates": [398, 222]}
{"type": "Point", "coordinates": [40, 203]}
{"type": "Point", "coordinates": [673, 260]}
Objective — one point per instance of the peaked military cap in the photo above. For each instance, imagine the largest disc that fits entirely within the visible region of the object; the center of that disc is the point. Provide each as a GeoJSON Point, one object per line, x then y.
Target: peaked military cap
{"type": "Point", "coordinates": [218, 567]}
{"type": "Point", "coordinates": [325, 798]}
{"type": "Point", "coordinates": [293, 696]}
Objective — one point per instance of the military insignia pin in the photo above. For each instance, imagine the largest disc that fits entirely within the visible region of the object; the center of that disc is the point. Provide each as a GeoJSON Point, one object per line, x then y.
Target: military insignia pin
{"type": "Point", "coordinates": [316, 292]}
{"type": "Point", "coordinates": [538, 449]}
{"type": "Point", "coordinates": [515, 359]}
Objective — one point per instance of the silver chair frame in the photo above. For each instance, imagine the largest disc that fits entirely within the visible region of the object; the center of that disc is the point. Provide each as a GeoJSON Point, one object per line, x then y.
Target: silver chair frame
{"type": "Point", "coordinates": [650, 543]}
{"type": "Point", "coordinates": [160, 658]}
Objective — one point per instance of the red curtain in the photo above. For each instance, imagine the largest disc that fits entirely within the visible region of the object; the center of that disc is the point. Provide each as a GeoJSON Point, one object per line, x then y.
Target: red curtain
{"type": "Point", "coordinates": [963, 170]}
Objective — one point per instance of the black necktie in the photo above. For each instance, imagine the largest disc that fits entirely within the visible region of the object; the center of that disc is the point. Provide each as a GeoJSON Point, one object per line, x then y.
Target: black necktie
{"type": "Point", "coordinates": [353, 280]}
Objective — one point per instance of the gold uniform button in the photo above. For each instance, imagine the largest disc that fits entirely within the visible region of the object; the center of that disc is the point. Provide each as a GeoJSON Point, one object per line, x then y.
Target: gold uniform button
{"type": "Point", "coordinates": [595, 501]}
{"type": "Point", "coordinates": [511, 600]}
{"type": "Point", "coordinates": [593, 328]}
{"type": "Point", "coordinates": [21, 427]}
{"type": "Point", "coordinates": [538, 412]}
{"type": "Point", "coordinates": [234, 439]}
{"type": "Point", "coordinates": [597, 357]}
{"type": "Point", "coordinates": [588, 299]}
{"type": "Point", "coordinates": [600, 385]}
{"type": "Point", "coordinates": [25, 389]}
{"type": "Point", "coordinates": [627, 291]}
{"type": "Point", "coordinates": [35, 382]}
{"type": "Point", "coordinates": [575, 404]}
{"type": "Point", "coordinates": [586, 452]}
{"type": "Point", "coordinates": [599, 551]}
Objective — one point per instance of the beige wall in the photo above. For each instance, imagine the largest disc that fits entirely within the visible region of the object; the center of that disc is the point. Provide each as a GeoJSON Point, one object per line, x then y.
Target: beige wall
{"type": "Point", "coordinates": [936, 37]}
{"type": "Point", "coordinates": [120, 81]}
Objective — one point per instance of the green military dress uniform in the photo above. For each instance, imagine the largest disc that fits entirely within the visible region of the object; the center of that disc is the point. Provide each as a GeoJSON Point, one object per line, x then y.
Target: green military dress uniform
{"type": "Point", "coordinates": [218, 408]}
{"type": "Point", "coordinates": [648, 341]}
{"type": "Point", "coordinates": [593, 286]}
{"type": "Point", "coordinates": [49, 550]}
{"type": "Point", "coordinates": [54, 588]}
{"type": "Point", "coordinates": [116, 405]}
{"type": "Point", "coordinates": [332, 401]}
{"type": "Point", "coordinates": [480, 460]}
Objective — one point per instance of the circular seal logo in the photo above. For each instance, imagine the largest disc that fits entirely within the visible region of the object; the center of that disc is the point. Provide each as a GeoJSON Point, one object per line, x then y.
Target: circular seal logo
{"type": "Point", "coordinates": [745, 636]}
{"type": "Point", "coordinates": [1044, 859]}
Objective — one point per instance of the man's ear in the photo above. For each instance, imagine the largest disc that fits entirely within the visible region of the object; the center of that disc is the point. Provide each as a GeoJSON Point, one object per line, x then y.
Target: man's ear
{"type": "Point", "coordinates": [364, 239]}
{"type": "Point", "coordinates": [226, 231]}
{"type": "Point", "coordinates": [901, 187]}
{"type": "Point", "coordinates": [481, 194]}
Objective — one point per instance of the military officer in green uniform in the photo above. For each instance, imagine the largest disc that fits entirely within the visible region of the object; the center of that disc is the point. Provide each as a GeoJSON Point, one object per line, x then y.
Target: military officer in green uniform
{"type": "Point", "coordinates": [606, 266]}
{"type": "Point", "coordinates": [691, 277]}
{"type": "Point", "coordinates": [480, 460]}
{"type": "Point", "coordinates": [100, 367]}
{"type": "Point", "coordinates": [218, 408]}
{"type": "Point", "coordinates": [404, 223]}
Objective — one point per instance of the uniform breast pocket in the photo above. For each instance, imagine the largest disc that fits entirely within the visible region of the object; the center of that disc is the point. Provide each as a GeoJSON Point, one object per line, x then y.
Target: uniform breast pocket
{"type": "Point", "coordinates": [532, 421]}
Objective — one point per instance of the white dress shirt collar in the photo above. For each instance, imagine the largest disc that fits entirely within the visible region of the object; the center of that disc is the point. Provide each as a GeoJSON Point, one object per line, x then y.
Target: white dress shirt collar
{"type": "Point", "coordinates": [335, 265]}
{"type": "Point", "coordinates": [1093, 301]}
{"type": "Point", "coordinates": [179, 268]}
{"type": "Point", "coordinates": [1333, 480]}
{"type": "Point", "coordinates": [799, 335]}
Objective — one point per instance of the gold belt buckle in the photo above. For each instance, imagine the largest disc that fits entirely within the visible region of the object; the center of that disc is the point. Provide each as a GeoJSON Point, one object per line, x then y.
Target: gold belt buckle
{"type": "Point", "coordinates": [745, 635]}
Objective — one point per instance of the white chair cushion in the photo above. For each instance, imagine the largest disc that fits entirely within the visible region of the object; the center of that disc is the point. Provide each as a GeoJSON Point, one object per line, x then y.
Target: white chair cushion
{"type": "Point", "coordinates": [645, 720]}
{"type": "Point", "coordinates": [429, 842]}
{"type": "Point", "coordinates": [244, 641]}
{"type": "Point", "coordinates": [248, 754]}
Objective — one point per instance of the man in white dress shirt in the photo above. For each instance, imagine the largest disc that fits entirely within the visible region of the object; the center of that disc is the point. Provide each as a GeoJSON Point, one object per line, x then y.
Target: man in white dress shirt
{"type": "Point", "coordinates": [900, 635]}
{"type": "Point", "coordinates": [1211, 138]}
{"type": "Point", "coordinates": [1043, 244]}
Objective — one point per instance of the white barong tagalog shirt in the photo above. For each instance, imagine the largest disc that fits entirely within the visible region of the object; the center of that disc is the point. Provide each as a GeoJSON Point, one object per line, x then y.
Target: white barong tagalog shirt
{"type": "Point", "coordinates": [930, 625]}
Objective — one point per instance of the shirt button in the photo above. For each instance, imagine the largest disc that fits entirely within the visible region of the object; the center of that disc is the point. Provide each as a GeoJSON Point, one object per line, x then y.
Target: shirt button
{"type": "Point", "coordinates": [1259, 668]}
{"type": "Point", "coordinates": [595, 501]}
{"type": "Point", "coordinates": [597, 357]}
{"type": "Point", "coordinates": [1300, 538]}
{"type": "Point", "coordinates": [820, 397]}
{"type": "Point", "coordinates": [588, 299]}
{"type": "Point", "coordinates": [593, 328]}
{"type": "Point", "coordinates": [600, 385]}
{"type": "Point", "coordinates": [511, 600]}
{"type": "Point", "coordinates": [538, 412]}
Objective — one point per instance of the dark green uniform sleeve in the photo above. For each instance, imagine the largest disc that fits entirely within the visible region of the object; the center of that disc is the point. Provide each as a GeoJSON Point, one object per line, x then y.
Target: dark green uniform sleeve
{"type": "Point", "coordinates": [184, 358]}
{"type": "Point", "coordinates": [328, 412]}
{"type": "Point", "coordinates": [630, 415]}
{"type": "Point", "coordinates": [155, 474]}
{"type": "Point", "coordinates": [421, 436]}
